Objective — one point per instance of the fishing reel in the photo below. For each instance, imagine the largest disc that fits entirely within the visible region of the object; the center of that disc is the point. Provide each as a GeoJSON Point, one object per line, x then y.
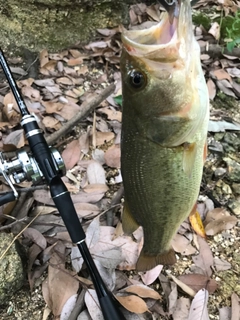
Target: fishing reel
{"type": "Point", "coordinates": [20, 166]}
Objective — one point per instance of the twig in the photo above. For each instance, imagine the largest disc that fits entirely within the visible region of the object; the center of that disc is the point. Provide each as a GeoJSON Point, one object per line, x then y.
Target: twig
{"type": "Point", "coordinates": [12, 224]}
{"type": "Point", "coordinates": [78, 306]}
{"type": "Point", "coordinates": [217, 51]}
{"type": "Point", "coordinates": [20, 190]}
{"type": "Point", "coordinates": [86, 107]}
{"type": "Point", "coordinates": [18, 235]}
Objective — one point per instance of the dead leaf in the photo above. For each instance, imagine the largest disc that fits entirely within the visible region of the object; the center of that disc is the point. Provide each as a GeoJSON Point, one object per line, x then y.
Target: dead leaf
{"type": "Point", "coordinates": [31, 93]}
{"type": "Point", "coordinates": [198, 281]}
{"type": "Point", "coordinates": [150, 276]}
{"type": "Point", "coordinates": [133, 303]}
{"type": "Point", "coordinates": [60, 285]}
{"type": "Point", "coordinates": [211, 89]}
{"type": "Point", "coordinates": [36, 237]}
{"type": "Point", "coordinates": [235, 306]}
{"type": "Point", "coordinates": [68, 307]}
{"type": "Point", "coordinates": [92, 304]}
{"type": "Point", "coordinates": [215, 30]}
{"type": "Point", "coordinates": [198, 309]}
{"type": "Point", "coordinates": [221, 74]}
{"type": "Point", "coordinates": [51, 123]}
{"type": "Point", "coordinates": [182, 244]}
{"type": "Point", "coordinates": [86, 210]}
{"type": "Point", "coordinates": [184, 286]}
{"type": "Point", "coordinates": [71, 154]}
{"type": "Point", "coordinates": [93, 233]}
{"type": "Point", "coordinates": [65, 80]}
{"type": "Point", "coordinates": [111, 113]}
{"type": "Point", "coordinates": [182, 309]}
{"type": "Point", "coordinates": [196, 223]}
{"type": "Point", "coordinates": [103, 137]}
{"type": "Point", "coordinates": [219, 225]}
{"type": "Point", "coordinates": [96, 173]}
{"type": "Point", "coordinates": [205, 258]}
{"type": "Point", "coordinates": [221, 264]}
{"type": "Point", "coordinates": [112, 156]}
{"type": "Point", "coordinates": [43, 58]}
{"type": "Point", "coordinates": [65, 110]}
{"type": "Point", "coordinates": [96, 187]}
{"type": "Point", "coordinates": [15, 138]}
{"type": "Point", "coordinates": [142, 291]}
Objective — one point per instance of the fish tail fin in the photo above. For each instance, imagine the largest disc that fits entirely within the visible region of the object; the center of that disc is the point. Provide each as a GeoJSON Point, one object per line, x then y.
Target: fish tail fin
{"type": "Point", "coordinates": [146, 262]}
{"type": "Point", "coordinates": [129, 224]}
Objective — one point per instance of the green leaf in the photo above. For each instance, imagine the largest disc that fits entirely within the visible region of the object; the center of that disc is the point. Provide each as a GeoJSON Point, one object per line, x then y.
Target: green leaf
{"type": "Point", "coordinates": [118, 100]}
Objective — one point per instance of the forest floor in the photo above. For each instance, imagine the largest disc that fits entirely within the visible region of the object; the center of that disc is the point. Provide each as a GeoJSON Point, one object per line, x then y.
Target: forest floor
{"type": "Point", "coordinates": [59, 86]}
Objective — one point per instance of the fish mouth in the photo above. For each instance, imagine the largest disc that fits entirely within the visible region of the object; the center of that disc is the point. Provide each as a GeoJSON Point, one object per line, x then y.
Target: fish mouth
{"type": "Point", "coordinates": [171, 37]}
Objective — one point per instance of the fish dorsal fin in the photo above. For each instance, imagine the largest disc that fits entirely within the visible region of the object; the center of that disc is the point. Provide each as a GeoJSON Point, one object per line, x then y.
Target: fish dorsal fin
{"type": "Point", "coordinates": [189, 157]}
{"type": "Point", "coordinates": [129, 224]}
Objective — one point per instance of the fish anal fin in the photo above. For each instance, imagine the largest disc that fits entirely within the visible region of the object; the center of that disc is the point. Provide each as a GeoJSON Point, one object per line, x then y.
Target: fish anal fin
{"type": "Point", "coordinates": [147, 262]}
{"type": "Point", "coordinates": [189, 157]}
{"type": "Point", "coordinates": [129, 224]}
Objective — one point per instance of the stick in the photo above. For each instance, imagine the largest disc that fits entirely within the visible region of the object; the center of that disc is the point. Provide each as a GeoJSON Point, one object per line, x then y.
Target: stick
{"type": "Point", "coordinates": [86, 107]}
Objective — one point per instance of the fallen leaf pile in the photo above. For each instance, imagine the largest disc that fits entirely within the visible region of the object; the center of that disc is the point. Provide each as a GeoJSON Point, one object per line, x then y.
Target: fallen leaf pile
{"type": "Point", "coordinates": [196, 287]}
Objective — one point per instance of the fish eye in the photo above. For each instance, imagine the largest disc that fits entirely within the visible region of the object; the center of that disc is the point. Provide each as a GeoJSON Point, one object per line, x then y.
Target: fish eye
{"type": "Point", "coordinates": [137, 79]}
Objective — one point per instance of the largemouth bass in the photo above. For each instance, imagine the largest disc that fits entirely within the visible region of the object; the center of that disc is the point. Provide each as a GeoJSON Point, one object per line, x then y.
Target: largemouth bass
{"type": "Point", "coordinates": [164, 130]}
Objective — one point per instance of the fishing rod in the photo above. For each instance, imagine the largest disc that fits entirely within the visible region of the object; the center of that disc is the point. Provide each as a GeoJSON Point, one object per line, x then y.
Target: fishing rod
{"type": "Point", "coordinates": [45, 162]}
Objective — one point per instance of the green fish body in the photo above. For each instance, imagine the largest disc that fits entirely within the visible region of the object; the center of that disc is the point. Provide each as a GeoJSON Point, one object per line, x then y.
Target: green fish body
{"type": "Point", "coordinates": [164, 131]}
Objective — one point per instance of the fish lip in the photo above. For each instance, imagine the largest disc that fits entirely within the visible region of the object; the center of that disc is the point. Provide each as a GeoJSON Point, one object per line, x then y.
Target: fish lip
{"type": "Point", "coordinates": [181, 33]}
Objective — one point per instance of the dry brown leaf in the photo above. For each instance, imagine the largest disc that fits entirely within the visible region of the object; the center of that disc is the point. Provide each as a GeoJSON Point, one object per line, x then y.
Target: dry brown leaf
{"type": "Point", "coordinates": [31, 93]}
{"type": "Point", "coordinates": [183, 245]}
{"type": "Point", "coordinates": [199, 281]}
{"type": "Point", "coordinates": [65, 80]}
{"type": "Point", "coordinates": [96, 187]}
{"type": "Point", "coordinates": [150, 276]}
{"type": "Point", "coordinates": [51, 123]}
{"type": "Point", "coordinates": [112, 156]}
{"type": "Point", "coordinates": [215, 30]}
{"type": "Point", "coordinates": [103, 137]}
{"type": "Point", "coordinates": [211, 89]}
{"type": "Point", "coordinates": [133, 303]}
{"type": "Point", "coordinates": [196, 223]}
{"type": "Point", "coordinates": [219, 225]}
{"type": "Point", "coordinates": [71, 154]}
{"type": "Point", "coordinates": [205, 258]}
{"type": "Point", "coordinates": [221, 264]}
{"type": "Point", "coordinates": [86, 210]}
{"type": "Point", "coordinates": [75, 61]}
{"type": "Point", "coordinates": [43, 58]}
{"type": "Point", "coordinates": [111, 113]}
{"type": "Point", "coordinates": [36, 237]}
{"type": "Point", "coordinates": [143, 291]}
{"type": "Point", "coordinates": [15, 138]}
{"type": "Point", "coordinates": [65, 110]}
{"type": "Point", "coordinates": [221, 74]}
{"type": "Point", "coordinates": [235, 306]}
{"type": "Point", "coordinates": [60, 285]}
{"type": "Point", "coordinates": [184, 286]}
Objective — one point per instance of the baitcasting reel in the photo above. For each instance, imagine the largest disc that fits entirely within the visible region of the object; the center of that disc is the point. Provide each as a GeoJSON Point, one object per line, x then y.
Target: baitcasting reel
{"type": "Point", "coordinates": [20, 166]}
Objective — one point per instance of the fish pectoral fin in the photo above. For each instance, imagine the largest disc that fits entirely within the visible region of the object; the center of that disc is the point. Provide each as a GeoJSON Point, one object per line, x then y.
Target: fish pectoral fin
{"type": "Point", "coordinates": [147, 262]}
{"type": "Point", "coordinates": [129, 224]}
{"type": "Point", "coordinates": [189, 157]}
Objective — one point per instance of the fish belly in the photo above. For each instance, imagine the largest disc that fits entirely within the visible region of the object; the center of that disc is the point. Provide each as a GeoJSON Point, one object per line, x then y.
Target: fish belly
{"type": "Point", "coordinates": [159, 194]}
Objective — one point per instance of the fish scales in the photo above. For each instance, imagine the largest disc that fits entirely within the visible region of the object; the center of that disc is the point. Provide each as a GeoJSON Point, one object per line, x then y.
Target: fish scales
{"type": "Point", "coordinates": [164, 129]}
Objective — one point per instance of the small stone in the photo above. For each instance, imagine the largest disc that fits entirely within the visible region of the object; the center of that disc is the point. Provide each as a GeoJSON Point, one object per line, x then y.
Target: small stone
{"type": "Point", "coordinates": [226, 189]}
{"type": "Point", "coordinates": [219, 172]}
{"type": "Point", "coordinates": [236, 187]}
{"type": "Point", "coordinates": [234, 205]}
{"type": "Point", "coordinates": [233, 169]}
